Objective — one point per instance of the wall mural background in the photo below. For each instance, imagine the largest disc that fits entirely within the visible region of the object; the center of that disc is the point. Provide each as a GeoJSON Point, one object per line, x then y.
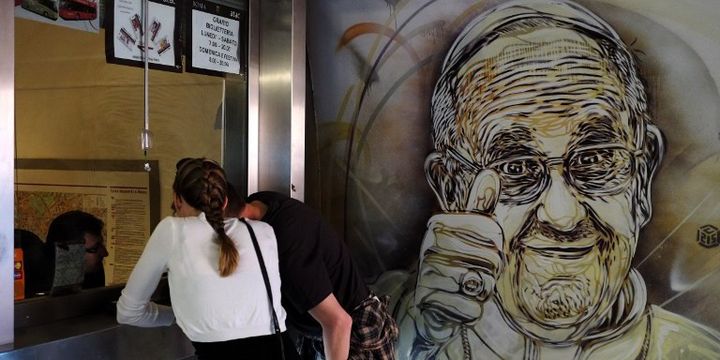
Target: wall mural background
{"type": "Point", "coordinates": [374, 67]}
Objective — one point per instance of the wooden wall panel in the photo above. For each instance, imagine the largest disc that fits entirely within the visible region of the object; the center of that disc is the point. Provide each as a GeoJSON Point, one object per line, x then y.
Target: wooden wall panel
{"type": "Point", "coordinates": [71, 104]}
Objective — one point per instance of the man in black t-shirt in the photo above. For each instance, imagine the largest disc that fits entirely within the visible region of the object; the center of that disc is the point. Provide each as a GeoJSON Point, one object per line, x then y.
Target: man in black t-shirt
{"type": "Point", "coordinates": [324, 295]}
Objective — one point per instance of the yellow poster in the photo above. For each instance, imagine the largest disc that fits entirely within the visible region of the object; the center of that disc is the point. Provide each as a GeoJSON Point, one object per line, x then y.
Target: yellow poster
{"type": "Point", "coordinates": [121, 199]}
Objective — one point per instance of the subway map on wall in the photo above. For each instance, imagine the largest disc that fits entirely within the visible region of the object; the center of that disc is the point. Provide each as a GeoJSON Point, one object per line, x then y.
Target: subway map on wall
{"type": "Point", "coordinates": [528, 179]}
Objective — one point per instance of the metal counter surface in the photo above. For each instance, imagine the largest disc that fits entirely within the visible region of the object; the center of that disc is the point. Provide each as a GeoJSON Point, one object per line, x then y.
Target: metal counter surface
{"type": "Point", "coordinates": [83, 326]}
{"type": "Point", "coordinates": [98, 337]}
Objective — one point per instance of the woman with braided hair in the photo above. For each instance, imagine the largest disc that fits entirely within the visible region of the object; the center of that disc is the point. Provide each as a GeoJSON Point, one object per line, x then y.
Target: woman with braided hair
{"type": "Point", "coordinates": [218, 294]}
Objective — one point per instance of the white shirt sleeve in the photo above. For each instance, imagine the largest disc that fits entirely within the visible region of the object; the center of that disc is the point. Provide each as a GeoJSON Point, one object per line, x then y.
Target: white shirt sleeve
{"type": "Point", "coordinates": [134, 306]}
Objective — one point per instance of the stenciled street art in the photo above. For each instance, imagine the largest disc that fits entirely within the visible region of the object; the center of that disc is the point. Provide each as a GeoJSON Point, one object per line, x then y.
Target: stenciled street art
{"type": "Point", "coordinates": [528, 179]}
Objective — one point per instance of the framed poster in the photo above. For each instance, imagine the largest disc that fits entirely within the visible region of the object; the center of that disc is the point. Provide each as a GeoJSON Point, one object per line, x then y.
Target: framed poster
{"type": "Point", "coordinates": [75, 14]}
{"type": "Point", "coordinates": [216, 38]}
{"type": "Point", "coordinates": [125, 34]}
{"type": "Point", "coordinates": [118, 192]}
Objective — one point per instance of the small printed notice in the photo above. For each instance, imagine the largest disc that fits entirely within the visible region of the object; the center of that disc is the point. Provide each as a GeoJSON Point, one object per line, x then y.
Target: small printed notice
{"type": "Point", "coordinates": [127, 30]}
{"type": "Point", "coordinates": [216, 36]}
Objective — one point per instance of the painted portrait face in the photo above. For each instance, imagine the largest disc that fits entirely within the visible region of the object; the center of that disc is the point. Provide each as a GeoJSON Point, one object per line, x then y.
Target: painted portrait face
{"type": "Point", "coordinates": [548, 113]}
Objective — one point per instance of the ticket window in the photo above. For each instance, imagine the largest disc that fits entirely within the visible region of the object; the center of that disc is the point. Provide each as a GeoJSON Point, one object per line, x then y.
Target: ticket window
{"type": "Point", "coordinates": [78, 122]}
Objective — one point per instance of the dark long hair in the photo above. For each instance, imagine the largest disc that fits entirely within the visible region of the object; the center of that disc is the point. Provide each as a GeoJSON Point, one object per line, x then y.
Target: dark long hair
{"type": "Point", "coordinates": [202, 184]}
{"type": "Point", "coordinates": [235, 202]}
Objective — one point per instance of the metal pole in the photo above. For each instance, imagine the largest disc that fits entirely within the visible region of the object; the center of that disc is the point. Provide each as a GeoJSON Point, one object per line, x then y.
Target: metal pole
{"type": "Point", "coordinates": [253, 84]}
{"type": "Point", "coordinates": [7, 170]}
{"type": "Point", "coordinates": [297, 99]}
{"type": "Point", "coordinates": [145, 136]}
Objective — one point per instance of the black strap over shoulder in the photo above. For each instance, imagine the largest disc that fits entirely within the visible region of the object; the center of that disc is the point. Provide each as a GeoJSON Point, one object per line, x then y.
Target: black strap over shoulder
{"type": "Point", "coordinates": [276, 324]}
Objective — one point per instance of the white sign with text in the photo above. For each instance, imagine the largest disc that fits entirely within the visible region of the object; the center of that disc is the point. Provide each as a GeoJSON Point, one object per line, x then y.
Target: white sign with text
{"type": "Point", "coordinates": [215, 42]}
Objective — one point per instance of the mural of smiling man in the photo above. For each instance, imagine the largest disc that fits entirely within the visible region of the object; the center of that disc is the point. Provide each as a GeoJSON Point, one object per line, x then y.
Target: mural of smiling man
{"type": "Point", "coordinates": [544, 154]}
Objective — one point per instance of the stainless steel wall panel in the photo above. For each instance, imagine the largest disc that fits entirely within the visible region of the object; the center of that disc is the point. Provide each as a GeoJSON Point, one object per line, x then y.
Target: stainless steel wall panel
{"type": "Point", "coordinates": [7, 168]}
{"type": "Point", "coordinates": [274, 95]}
{"type": "Point", "coordinates": [298, 84]}
{"type": "Point", "coordinates": [253, 89]}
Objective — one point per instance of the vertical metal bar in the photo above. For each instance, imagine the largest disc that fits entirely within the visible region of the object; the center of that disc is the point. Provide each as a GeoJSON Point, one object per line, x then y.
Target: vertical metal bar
{"type": "Point", "coordinates": [146, 84]}
{"type": "Point", "coordinates": [146, 135]}
{"type": "Point", "coordinates": [7, 168]}
{"type": "Point", "coordinates": [253, 83]}
{"type": "Point", "coordinates": [297, 96]}
{"type": "Point", "coordinates": [222, 125]}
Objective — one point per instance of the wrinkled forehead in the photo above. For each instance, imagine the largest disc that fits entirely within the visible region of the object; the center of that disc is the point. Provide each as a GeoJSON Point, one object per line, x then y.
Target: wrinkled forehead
{"type": "Point", "coordinates": [551, 81]}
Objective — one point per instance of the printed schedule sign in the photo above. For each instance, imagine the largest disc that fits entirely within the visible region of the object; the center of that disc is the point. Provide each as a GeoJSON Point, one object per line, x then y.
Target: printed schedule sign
{"type": "Point", "coordinates": [125, 34]}
{"type": "Point", "coordinates": [216, 35]}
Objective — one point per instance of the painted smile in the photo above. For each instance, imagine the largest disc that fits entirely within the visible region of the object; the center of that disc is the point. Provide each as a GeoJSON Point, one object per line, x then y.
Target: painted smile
{"type": "Point", "coordinates": [561, 252]}
{"type": "Point", "coordinates": [548, 242]}
{"type": "Point", "coordinates": [549, 247]}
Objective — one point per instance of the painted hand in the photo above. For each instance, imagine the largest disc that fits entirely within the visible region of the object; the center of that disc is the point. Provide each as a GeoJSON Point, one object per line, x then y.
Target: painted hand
{"type": "Point", "coordinates": [460, 259]}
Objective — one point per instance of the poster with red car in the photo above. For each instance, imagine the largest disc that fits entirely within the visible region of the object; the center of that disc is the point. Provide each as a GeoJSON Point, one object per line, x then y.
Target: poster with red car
{"type": "Point", "coordinates": [77, 14]}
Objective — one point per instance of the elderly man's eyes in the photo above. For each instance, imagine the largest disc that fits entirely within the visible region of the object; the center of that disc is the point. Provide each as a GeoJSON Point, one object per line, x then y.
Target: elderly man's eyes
{"type": "Point", "coordinates": [589, 159]}
{"type": "Point", "coordinates": [612, 159]}
{"type": "Point", "coordinates": [602, 171]}
{"type": "Point", "coordinates": [520, 178]}
{"type": "Point", "coordinates": [595, 171]}
{"type": "Point", "coordinates": [519, 167]}
{"type": "Point", "coordinates": [594, 157]}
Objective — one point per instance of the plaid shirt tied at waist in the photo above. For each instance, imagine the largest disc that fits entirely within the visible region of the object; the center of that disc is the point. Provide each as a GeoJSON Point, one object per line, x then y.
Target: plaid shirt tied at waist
{"type": "Point", "coordinates": [374, 331]}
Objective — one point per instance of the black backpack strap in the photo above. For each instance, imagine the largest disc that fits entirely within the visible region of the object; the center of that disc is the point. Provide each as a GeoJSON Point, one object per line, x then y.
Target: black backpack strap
{"type": "Point", "coordinates": [276, 324]}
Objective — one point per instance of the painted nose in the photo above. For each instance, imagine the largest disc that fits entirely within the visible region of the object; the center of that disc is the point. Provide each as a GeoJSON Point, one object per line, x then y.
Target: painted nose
{"type": "Point", "coordinates": [560, 208]}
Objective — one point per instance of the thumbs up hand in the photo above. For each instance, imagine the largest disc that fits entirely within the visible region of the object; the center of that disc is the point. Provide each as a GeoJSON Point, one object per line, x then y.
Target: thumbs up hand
{"type": "Point", "coordinates": [460, 260]}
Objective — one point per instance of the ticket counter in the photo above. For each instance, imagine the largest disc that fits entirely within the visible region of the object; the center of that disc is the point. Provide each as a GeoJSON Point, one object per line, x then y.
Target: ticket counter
{"type": "Point", "coordinates": [61, 101]}
{"type": "Point", "coordinates": [76, 127]}
{"type": "Point", "coordinates": [83, 326]}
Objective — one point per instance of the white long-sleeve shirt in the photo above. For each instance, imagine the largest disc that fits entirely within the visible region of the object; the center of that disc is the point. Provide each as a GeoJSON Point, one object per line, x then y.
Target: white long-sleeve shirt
{"type": "Point", "coordinates": [207, 307]}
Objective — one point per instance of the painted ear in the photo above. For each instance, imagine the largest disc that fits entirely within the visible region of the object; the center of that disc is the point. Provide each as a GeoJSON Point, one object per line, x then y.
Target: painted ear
{"type": "Point", "coordinates": [443, 183]}
{"type": "Point", "coordinates": [653, 153]}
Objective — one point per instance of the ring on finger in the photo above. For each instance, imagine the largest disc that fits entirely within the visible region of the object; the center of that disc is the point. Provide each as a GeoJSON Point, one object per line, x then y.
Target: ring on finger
{"type": "Point", "coordinates": [471, 283]}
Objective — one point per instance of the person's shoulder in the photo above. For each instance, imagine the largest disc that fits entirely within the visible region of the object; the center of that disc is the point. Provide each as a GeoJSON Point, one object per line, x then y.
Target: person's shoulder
{"type": "Point", "coordinates": [26, 239]}
{"type": "Point", "coordinates": [265, 196]}
{"type": "Point", "coordinates": [164, 228]}
{"type": "Point", "coordinates": [257, 224]}
{"type": "Point", "coordinates": [274, 199]}
{"type": "Point", "coordinates": [674, 336]}
{"type": "Point", "coordinates": [166, 222]}
{"type": "Point", "coordinates": [173, 223]}
{"type": "Point", "coordinates": [262, 230]}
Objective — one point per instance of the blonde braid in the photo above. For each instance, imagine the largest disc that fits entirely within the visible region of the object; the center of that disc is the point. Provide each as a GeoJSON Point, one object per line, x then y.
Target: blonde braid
{"type": "Point", "coordinates": [215, 193]}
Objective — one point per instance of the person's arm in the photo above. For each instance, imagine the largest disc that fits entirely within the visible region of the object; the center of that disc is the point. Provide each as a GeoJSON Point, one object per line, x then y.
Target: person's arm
{"type": "Point", "coordinates": [336, 326]}
{"type": "Point", "coordinates": [134, 306]}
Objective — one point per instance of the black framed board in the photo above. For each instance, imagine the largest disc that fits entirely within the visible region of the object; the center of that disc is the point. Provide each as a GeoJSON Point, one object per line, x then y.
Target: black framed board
{"type": "Point", "coordinates": [215, 38]}
{"type": "Point", "coordinates": [125, 34]}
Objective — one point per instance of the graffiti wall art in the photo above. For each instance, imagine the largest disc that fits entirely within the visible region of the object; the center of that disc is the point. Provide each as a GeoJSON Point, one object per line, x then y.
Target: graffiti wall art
{"type": "Point", "coordinates": [528, 179]}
